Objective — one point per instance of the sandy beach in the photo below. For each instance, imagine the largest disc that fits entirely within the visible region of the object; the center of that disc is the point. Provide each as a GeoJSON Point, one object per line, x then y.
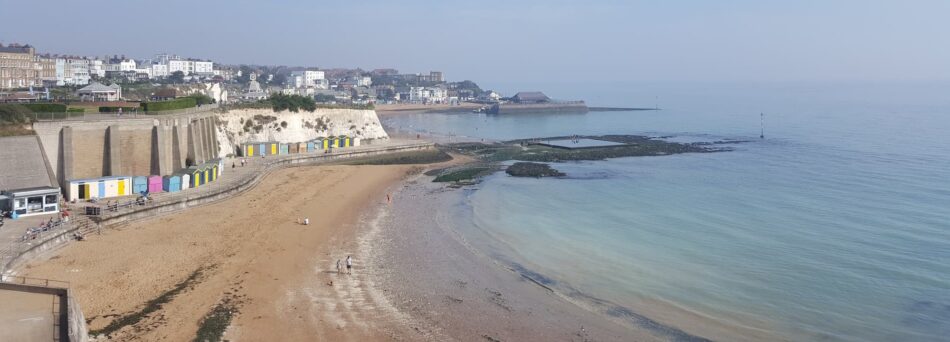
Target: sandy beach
{"type": "Point", "coordinates": [250, 250]}
{"type": "Point", "coordinates": [414, 278]}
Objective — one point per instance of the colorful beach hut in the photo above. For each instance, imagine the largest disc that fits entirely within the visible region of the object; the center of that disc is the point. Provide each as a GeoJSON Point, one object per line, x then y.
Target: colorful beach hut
{"type": "Point", "coordinates": [197, 176]}
{"type": "Point", "coordinates": [171, 183]}
{"type": "Point", "coordinates": [104, 187]}
{"type": "Point", "coordinates": [213, 172]}
{"type": "Point", "coordinates": [139, 184]}
{"type": "Point", "coordinates": [311, 146]}
{"type": "Point", "coordinates": [249, 149]}
{"type": "Point", "coordinates": [154, 184]}
{"type": "Point", "coordinates": [185, 180]}
{"type": "Point", "coordinates": [294, 148]}
{"type": "Point", "coordinates": [356, 141]}
{"type": "Point", "coordinates": [344, 141]}
{"type": "Point", "coordinates": [273, 148]}
{"type": "Point", "coordinates": [284, 149]}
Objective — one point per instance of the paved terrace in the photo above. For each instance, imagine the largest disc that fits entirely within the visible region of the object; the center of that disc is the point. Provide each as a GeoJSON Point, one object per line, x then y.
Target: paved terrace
{"type": "Point", "coordinates": [233, 181]}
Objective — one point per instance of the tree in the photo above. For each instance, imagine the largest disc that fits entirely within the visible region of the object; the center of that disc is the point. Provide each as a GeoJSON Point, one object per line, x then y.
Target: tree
{"type": "Point", "coordinates": [176, 77]}
{"type": "Point", "coordinates": [324, 98]}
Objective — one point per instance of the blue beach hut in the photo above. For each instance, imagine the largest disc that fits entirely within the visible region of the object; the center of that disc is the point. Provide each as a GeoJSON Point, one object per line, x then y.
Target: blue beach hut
{"type": "Point", "coordinates": [139, 184]}
{"type": "Point", "coordinates": [171, 183]}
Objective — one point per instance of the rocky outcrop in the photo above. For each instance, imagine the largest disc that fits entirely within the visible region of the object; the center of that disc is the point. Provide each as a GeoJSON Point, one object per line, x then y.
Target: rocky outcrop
{"type": "Point", "coordinates": [239, 126]}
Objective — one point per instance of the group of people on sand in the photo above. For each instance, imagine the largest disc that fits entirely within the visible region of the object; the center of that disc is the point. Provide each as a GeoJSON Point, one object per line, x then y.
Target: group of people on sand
{"type": "Point", "coordinates": [349, 265]}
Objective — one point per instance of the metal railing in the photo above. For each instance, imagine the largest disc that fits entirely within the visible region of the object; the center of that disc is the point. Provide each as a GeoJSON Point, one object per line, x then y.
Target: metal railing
{"type": "Point", "coordinates": [91, 116]}
{"type": "Point", "coordinates": [21, 280]}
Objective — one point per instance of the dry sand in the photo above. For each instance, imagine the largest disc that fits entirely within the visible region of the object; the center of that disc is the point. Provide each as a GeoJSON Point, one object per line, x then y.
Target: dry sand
{"type": "Point", "coordinates": [252, 251]}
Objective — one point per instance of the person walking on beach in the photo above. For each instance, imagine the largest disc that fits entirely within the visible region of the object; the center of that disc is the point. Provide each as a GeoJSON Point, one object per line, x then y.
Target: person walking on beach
{"type": "Point", "coordinates": [349, 264]}
{"type": "Point", "coordinates": [306, 221]}
{"type": "Point", "coordinates": [339, 266]}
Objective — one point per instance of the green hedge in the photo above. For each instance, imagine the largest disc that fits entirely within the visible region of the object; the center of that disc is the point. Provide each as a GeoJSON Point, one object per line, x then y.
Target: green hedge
{"type": "Point", "coordinates": [76, 110]}
{"type": "Point", "coordinates": [113, 109]}
{"type": "Point", "coordinates": [45, 107]}
{"type": "Point", "coordinates": [14, 114]}
{"type": "Point", "coordinates": [182, 103]}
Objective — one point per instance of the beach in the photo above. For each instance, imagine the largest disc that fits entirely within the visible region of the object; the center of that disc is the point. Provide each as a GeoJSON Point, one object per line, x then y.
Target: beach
{"type": "Point", "coordinates": [413, 278]}
{"type": "Point", "coordinates": [249, 250]}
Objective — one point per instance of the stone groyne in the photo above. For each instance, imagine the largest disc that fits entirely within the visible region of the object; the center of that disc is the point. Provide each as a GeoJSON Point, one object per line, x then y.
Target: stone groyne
{"type": "Point", "coordinates": [549, 107]}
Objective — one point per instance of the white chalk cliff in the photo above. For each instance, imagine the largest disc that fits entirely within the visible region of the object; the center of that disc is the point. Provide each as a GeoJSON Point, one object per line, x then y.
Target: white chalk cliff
{"type": "Point", "coordinates": [239, 126]}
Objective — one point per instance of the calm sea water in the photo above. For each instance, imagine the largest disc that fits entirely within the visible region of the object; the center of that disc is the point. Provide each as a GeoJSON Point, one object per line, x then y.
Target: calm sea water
{"type": "Point", "coordinates": [835, 227]}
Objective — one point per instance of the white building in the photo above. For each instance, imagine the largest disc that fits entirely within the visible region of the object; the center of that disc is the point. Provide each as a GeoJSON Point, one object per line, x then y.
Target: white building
{"type": "Point", "coordinates": [428, 95]}
{"type": "Point", "coordinates": [159, 70]}
{"type": "Point", "coordinates": [307, 78]}
{"type": "Point", "coordinates": [364, 81]}
{"type": "Point", "coordinates": [72, 71]}
{"type": "Point", "coordinates": [121, 65]}
{"type": "Point", "coordinates": [189, 67]}
{"type": "Point", "coordinates": [204, 67]}
{"type": "Point", "coordinates": [97, 68]}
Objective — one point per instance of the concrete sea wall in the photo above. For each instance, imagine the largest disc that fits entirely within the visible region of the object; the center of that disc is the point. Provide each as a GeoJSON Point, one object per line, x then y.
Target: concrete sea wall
{"type": "Point", "coordinates": [141, 146]}
{"type": "Point", "coordinates": [517, 108]}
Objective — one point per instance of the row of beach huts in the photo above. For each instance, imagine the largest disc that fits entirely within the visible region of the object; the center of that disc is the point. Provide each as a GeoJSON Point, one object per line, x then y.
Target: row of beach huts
{"type": "Point", "coordinates": [117, 186]}
{"type": "Point", "coordinates": [320, 144]}
{"type": "Point", "coordinates": [194, 176]}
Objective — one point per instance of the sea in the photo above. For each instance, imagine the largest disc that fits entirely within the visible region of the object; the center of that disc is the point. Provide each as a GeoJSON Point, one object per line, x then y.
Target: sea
{"type": "Point", "coordinates": [835, 226]}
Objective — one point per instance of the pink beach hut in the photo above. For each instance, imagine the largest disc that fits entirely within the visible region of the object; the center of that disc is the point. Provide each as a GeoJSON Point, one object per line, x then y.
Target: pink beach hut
{"type": "Point", "coordinates": [154, 184]}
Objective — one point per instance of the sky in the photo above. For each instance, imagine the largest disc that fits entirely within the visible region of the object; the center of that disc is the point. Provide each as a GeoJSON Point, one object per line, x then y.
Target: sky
{"type": "Point", "coordinates": [527, 41]}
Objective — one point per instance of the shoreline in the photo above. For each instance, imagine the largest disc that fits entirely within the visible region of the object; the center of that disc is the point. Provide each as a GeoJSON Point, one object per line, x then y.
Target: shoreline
{"type": "Point", "coordinates": [429, 271]}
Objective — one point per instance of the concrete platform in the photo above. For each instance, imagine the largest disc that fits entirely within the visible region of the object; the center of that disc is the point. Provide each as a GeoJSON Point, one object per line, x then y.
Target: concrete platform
{"type": "Point", "coordinates": [26, 316]}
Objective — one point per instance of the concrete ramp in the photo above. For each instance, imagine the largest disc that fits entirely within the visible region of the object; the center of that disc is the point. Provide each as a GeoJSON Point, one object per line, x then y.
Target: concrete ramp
{"type": "Point", "coordinates": [22, 164]}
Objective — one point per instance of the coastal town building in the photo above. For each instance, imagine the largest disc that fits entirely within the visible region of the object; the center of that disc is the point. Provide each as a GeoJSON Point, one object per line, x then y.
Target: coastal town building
{"type": "Point", "coordinates": [190, 67]}
{"type": "Point", "coordinates": [428, 95]}
{"type": "Point", "coordinates": [72, 71]}
{"type": "Point", "coordinates": [18, 67]}
{"type": "Point", "coordinates": [433, 76]}
{"type": "Point", "coordinates": [307, 78]}
{"type": "Point", "coordinates": [98, 92]}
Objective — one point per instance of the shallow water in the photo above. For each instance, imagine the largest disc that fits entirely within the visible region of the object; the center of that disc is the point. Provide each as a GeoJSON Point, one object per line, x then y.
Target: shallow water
{"type": "Point", "coordinates": [836, 226]}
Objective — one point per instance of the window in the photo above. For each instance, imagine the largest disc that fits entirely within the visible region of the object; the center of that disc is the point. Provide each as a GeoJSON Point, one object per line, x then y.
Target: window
{"type": "Point", "coordinates": [50, 199]}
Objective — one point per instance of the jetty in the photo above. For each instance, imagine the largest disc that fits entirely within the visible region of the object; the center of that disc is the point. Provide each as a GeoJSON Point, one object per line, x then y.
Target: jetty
{"type": "Point", "coordinates": [536, 102]}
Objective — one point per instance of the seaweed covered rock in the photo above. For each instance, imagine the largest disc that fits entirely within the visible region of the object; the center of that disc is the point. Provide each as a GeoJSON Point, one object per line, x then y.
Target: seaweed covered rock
{"type": "Point", "coordinates": [528, 169]}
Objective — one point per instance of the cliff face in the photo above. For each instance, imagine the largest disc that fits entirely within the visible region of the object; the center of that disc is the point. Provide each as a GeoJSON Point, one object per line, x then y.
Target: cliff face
{"type": "Point", "coordinates": [240, 126]}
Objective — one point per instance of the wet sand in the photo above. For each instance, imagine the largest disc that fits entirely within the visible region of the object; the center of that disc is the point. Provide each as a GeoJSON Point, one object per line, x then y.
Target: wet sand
{"type": "Point", "coordinates": [427, 270]}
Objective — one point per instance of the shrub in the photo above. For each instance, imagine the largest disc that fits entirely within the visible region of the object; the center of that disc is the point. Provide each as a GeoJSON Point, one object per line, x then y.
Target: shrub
{"type": "Point", "coordinates": [76, 110]}
{"type": "Point", "coordinates": [45, 107]}
{"type": "Point", "coordinates": [14, 114]}
{"type": "Point", "coordinates": [182, 103]}
{"type": "Point", "coordinates": [293, 103]}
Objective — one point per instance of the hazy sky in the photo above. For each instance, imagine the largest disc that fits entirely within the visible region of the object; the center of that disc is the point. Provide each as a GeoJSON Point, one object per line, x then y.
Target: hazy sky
{"type": "Point", "coordinates": [504, 41]}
